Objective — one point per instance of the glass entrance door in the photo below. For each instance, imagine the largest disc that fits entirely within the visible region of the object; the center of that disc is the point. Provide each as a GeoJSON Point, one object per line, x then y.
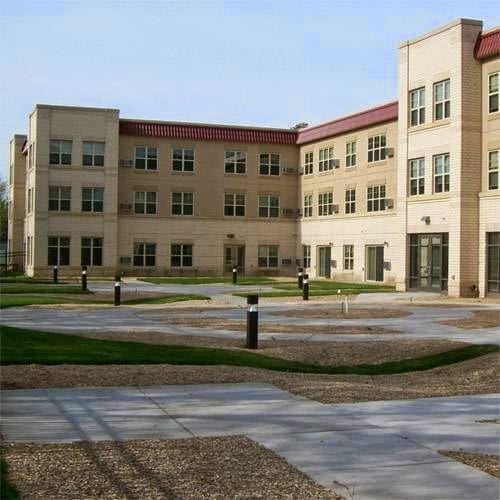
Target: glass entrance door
{"type": "Point", "coordinates": [375, 263]}
{"type": "Point", "coordinates": [324, 260]}
{"type": "Point", "coordinates": [429, 262]}
{"type": "Point", "coordinates": [234, 255]}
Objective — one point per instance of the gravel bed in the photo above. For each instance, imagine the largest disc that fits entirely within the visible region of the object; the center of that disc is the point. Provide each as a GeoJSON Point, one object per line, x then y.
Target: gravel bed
{"type": "Point", "coordinates": [483, 318]}
{"type": "Point", "coordinates": [209, 468]}
{"type": "Point", "coordinates": [487, 463]}
{"type": "Point", "coordinates": [354, 313]}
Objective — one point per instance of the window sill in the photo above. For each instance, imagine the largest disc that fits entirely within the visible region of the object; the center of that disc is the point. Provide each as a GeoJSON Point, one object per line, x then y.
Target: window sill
{"type": "Point", "coordinates": [495, 115]}
{"type": "Point", "coordinates": [270, 176]}
{"type": "Point", "coordinates": [146, 171]}
{"type": "Point", "coordinates": [182, 172]}
{"type": "Point", "coordinates": [326, 172]}
{"type": "Point", "coordinates": [490, 193]}
{"type": "Point", "coordinates": [427, 197]}
{"type": "Point", "coordinates": [378, 163]}
{"type": "Point", "coordinates": [229, 174]}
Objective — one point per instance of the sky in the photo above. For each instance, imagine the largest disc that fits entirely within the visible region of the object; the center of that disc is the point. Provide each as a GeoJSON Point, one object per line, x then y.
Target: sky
{"type": "Point", "coordinates": [268, 63]}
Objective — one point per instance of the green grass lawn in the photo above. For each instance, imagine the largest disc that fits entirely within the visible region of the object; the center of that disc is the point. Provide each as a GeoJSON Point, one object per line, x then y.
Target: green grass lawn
{"type": "Point", "coordinates": [21, 346]}
{"type": "Point", "coordinates": [243, 280]}
{"type": "Point", "coordinates": [26, 288]}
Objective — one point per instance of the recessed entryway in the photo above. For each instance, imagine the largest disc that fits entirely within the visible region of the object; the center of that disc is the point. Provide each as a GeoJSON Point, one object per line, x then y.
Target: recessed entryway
{"type": "Point", "coordinates": [429, 262]}
{"type": "Point", "coordinates": [234, 255]}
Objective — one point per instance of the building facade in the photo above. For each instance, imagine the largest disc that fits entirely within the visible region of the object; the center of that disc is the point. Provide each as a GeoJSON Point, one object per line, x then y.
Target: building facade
{"type": "Point", "coordinates": [404, 193]}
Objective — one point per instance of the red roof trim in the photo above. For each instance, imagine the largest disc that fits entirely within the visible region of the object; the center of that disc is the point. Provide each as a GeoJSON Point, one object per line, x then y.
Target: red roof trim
{"type": "Point", "coordinates": [487, 45]}
{"type": "Point", "coordinates": [373, 116]}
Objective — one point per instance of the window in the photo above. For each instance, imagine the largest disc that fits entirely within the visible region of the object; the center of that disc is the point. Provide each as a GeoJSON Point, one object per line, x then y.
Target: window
{"type": "Point", "coordinates": [183, 160]}
{"type": "Point", "coordinates": [308, 205]}
{"type": "Point", "coordinates": [234, 204]}
{"type": "Point", "coordinates": [91, 251]}
{"type": "Point", "coordinates": [325, 159]}
{"type": "Point", "coordinates": [350, 201]}
{"type": "Point", "coordinates": [145, 202]}
{"type": "Point", "coordinates": [30, 199]}
{"type": "Point", "coordinates": [269, 206]}
{"type": "Point", "coordinates": [182, 203]}
{"type": "Point", "coordinates": [269, 164]}
{"type": "Point", "coordinates": [92, 199]}
{"type": "Point", "coordinates": [60, 152]}
{"type": "Point", "coordinates": [58, 251]}
{"type": "Point", "coordinates": [146, 158]}
{"type": "Point", "coordinates": [325, 204]}
{"type": "Point", "coordinates": [441, 173]}
{"type": "Point", "coordinates": [93, 154]}
{"type": "Point", "coordinates": [181, 255]}
{"type": "Point", "coordinates": [348, 257]}
{"type": "Point", "coordinates": [235, 162]}
{"type": "Point", "coordinates": [376, 198]}
{"type": "Point", "coordinates": [306, 252]}
{"type": "Point", "coordinates": [442, 100]}
{"type": "Point", "coordinates": [350, 154]}
{"type": "Point", "coordinates": [60, 198]}
{"type": "Point", "coordinates": [31, 156]}
{"type": "Point", "coordinates": [493, 262]}
{"type": "Point", "coordinates": [376, 148]}
{"type": "Point", "coordinates": [417, 176]}
{"type": "Point", "coordinates": [268, 256]}
{"type": "Point", "coordinates": [417, 107]}
{"type": "Point", "coordinates": [493, 92]}
{"type": "Point", "coordinates": [145, 254]}
{"type": "Point", "coordinates": [308, 163]}
{"type": "Point", "coordinates": [493, 168]}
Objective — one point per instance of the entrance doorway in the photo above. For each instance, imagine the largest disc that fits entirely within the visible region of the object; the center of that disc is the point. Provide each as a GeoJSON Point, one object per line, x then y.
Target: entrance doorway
{"type": "Point", "coordinates": [324, 262]}
{"type": "Point", "coordinates": [234, 255]}
{"type": "Point", "coordinates": [493, 263]}
{"type": "Point", "coordinates": [429, 262]}
{"type": "Point", "coordinates": [375, 263]}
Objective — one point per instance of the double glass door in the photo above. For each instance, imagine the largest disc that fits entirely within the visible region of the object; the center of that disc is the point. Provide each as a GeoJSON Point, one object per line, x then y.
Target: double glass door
{"type": "Point", "coordinates": [234, 255]}
{"type": "Point", "coordinates": [375, 263]}
{"type": "Point", "coordinates": [429, 262]}
{"type": "Point", "coordinates": [324, 261]}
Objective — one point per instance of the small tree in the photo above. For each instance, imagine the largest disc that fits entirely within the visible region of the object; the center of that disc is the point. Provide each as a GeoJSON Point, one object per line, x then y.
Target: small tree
{"type": "Point", "coordinates": [4, 203]}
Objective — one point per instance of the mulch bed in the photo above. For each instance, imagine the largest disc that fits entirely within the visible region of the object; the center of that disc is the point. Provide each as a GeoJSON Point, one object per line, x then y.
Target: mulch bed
{"type": "Point", "coordinates": [482, 318]}
{"type": "Point", "coordinates": [336, 313]}
{"type": "Point", "coordinates": [487, 463]}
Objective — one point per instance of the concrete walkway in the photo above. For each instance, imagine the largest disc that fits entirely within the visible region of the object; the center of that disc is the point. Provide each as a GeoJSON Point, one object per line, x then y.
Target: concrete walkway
{"type": "Point", "coordinates": [381, 450]}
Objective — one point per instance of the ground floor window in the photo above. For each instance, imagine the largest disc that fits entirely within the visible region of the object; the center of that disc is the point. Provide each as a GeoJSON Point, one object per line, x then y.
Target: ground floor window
{"type": "Point", "coordinates": [348, 257]}
{"type": "Point", "coordinates": [268, 255]}
{"type": "Point", "coordinates": [493, 250]}
{"type": "Point", "coordinates": [145, 254]}
{"type": "Point", "coordinates": [306, 252]}
{"type": "Point", "coordinates": [58, 251]}
{"type": "Point", "coordinates": [181, 255]}
{"type": "Point", "coordinates": [91, 251]}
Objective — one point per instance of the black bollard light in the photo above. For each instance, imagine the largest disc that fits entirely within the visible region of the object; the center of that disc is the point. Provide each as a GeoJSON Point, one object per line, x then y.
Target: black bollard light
{"type": "Point", "coordinates": [235, 275]}
{"type": "Point", "coordinates": [55, 274]}
{"type": "Point", "coordinates": [252, 322]}
{"type": "Point", "coordinates": [117, 290]}
{"type": "Point", "coordinates": [305, 287]}
{"type": "Point", "coordinates": [84, 278]}
{"type": "Point", "coordinates": [300, 277]}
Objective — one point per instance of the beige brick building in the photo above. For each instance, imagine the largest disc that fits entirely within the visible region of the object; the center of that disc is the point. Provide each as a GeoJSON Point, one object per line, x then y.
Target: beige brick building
{"type": "Point", "coordinates": [406, 192]}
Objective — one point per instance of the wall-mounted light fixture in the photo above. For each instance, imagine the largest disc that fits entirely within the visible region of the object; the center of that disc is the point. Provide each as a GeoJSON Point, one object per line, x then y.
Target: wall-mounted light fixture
{"type": "Point", "coordinates": [386, 243]}
{"type": "Point", "coordinates": [426, 219]}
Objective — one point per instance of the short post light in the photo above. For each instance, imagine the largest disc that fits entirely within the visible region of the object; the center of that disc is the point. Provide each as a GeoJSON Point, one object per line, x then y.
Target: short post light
{"type": "Point", "coordinates": [117, 290]}
{"type": "Point", "coordinates": [55, 275]}
{"type": "Point", "coordinates": [84, 278]}
{"type": "Point", "coordinates": [300, 277]}
{"type": "Point", "coordinates": [305, 287]}
{"type": "Point", "coordinates": [235, 275]}
{"type": "Point", "coordinates": [252, 322]}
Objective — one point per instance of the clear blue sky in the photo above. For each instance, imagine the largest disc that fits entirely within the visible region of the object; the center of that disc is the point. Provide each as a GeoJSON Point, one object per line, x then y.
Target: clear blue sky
{"type": "Point", "coordinates": [248, 62]}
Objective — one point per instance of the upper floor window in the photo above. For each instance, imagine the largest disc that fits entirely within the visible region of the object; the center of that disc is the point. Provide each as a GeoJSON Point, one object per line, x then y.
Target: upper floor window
{"type": "Point", "coordinates": [60, 152]}
{"type": "Point", "coordinates": [181, 255]}
{"type": "Point", "coordinates": [183, 160]}
{"type": "Point", "coordinates": [493, 168]}
{"type": "Point", "coordinates": [493, 90]}
{"type": "Point", "coordinates": [60, 198]}
{"type": "Point", "coordinates": [269, 206]}
{"type": "Point", "coordinates": [235, 162]}
{"type": "Point", "coordinates": [268, 255]}
{"type": "Point", "coordinates": [146, 158]}
{"type": "Point", "coordinates": [417, 107]}
{"type": "Point", "coordinates": [91, 252]}
{"type": "Point", "coordinates": [350, 154]}
{"type": "Point", "coordinates": [442, 100]}
{"type": "Point", "coordinates": [325, 159]}
{"type": "Point", "coordinates": [269, 164]}
{"type": "Point", "coordinates": [441, 173]}
{"type": "Point", "coordinates": [308, 163]}
{"type": "Point", "coordinates": [58, 251]}
{"type": "Point", "coordinates": [234, 204]}
{"type": "Point", "coordinates": [306, 253]}
{"type": "Point", "coordinates": [31, 199]}
{"type": "Point", "coordinates": [376, 148]}
{"type": "Point", "coordinates": [325, 203]}
{"type": "Point", "coordinates": [182, 203]}
{"type": "Point", "coordinates": [417, 176]}
{"type": "Point", "coordinates": [145, 202]}
{"type": "Point", "coordinates": [375, 197]}
{"type": "Point", "coordinates": [93, 154]}
{"type": "Point", "coordinates": [348, 257]}
{"type": "Point", "coordinates": [92, 199]}
{"type": "Point", "coordinates": [145, 254]}
{"type": "Point", "coordinates": [350, 201]}
{"type": "Point", "coordinates": [31, 156]}
{"type": "Point", "coordinates": [308, 205]}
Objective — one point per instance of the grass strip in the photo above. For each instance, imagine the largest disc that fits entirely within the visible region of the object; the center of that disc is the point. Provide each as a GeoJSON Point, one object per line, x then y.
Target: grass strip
{"type": "Point", "coordinates": [24, 288]}
{"type": "Point", "coordinates": [22, 346]}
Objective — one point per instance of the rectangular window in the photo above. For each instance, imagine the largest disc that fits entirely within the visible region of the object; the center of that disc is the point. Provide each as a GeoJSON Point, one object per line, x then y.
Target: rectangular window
{"type": "Point", "coordinates": [235, 162]}
{"type": "Point", "coordinates": [234, 204]}
{"type": "Point", "coordinates": [417, 107]}
{"type": "Point", "coordinates": [376, 148]}
{"type": "Point", "coordinates": [308, 205]}
{"type": "Point", "coordinates": [417, 176]}
{"type": "Point", "coordinates": [30, 200]}
{"type": "Point", "coordinates": [348, 257]}
{"type": "Point", "coordinates": [269, 206]}
{"type": "Point", "coordinates": [145, 254]}
{"type": "Point", "coordinates": [441, 173]}
{"type": "Point", "coordinates": [442, 100]}
{"type": "Point", "coordinates": [145, 202]}
{"type": "Point", "coordinates": [91, 251]}
{"type": "Point", "coordinates": [146, 158]}
{"type": "Point", "coordinates": [93, 154]}
{"type": "Point", "coordinates": [181, 255]}
{"type": "Point", "coordinates": [350, 154]}
{"type": "Point", "coordinates": [493, 169]}
{"type": "Point", "coordinates": [268, 256]}
{"type": "Point", "coordinates": [350, 201]}
{"type": "Point", "coordinates": [182, 203]}
{"type": "Point", "coordinates": [60, 198]}
{"type": "Point", "coordinates": [183, 160]}
{"type": "Point", "coordinates": [325, 204]}
{"type": "Point", "coordinates": [269, 164]}
{"type": "Point", "coordinates": [493, 92]}
{"type": "Point", "coordinates": [493, 262]}
{"type": "Point", "coordinates": [60, 152]}
{"type": "Point", "coordinates": [375, 198]}
{"type": "Point", "coordinates": [325, 159]}
{"type": "Point", "coordinates": [92, 199]}
{"type": "Point", "coordinates": [58, 251]}
{"type": "Point", "coordinates": [308, 163]}
{"type": "Point", "coordinates": [306, 252]}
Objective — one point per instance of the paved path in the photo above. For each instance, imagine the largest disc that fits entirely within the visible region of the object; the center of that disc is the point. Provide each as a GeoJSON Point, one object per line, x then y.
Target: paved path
{"type": "Point", "coordinates": [381, 450]}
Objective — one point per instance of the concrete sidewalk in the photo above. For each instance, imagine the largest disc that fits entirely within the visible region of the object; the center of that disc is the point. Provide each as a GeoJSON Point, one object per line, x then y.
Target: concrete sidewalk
{"type": "Point", "coordinates": [364, 451]}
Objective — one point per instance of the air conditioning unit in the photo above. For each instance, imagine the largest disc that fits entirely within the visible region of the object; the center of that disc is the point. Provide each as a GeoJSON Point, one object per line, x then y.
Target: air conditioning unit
{"type": "Point", "coordinates": [336, 163]}
{"type": "Point", "coordinates": [287, 211]}
{"type": "Point", "coordinates": [387, 265]}
{"type": "Point", "coordinates": [301, 171]}
{"type": "Point", "coordinates": [125, 260]}
{"type": "Point", "coordinates": [126, 163]}
{"type": "Point", "coordinates": [389, 152]}
{"type": "Point", "coordinates": [298, 212]}
{"type": "Point", "coordinates": [286, 262]}
{"type": "Point", "coordinates": [335, 209]}
{"type": "Point", "coordinates": [333, 264]}
{"type": "Point", "coordinates": [125, 206]}
{"type": "Point", "coordinates": [289, 170]}
{"type": "Point", "coordinates": [389, 203]}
